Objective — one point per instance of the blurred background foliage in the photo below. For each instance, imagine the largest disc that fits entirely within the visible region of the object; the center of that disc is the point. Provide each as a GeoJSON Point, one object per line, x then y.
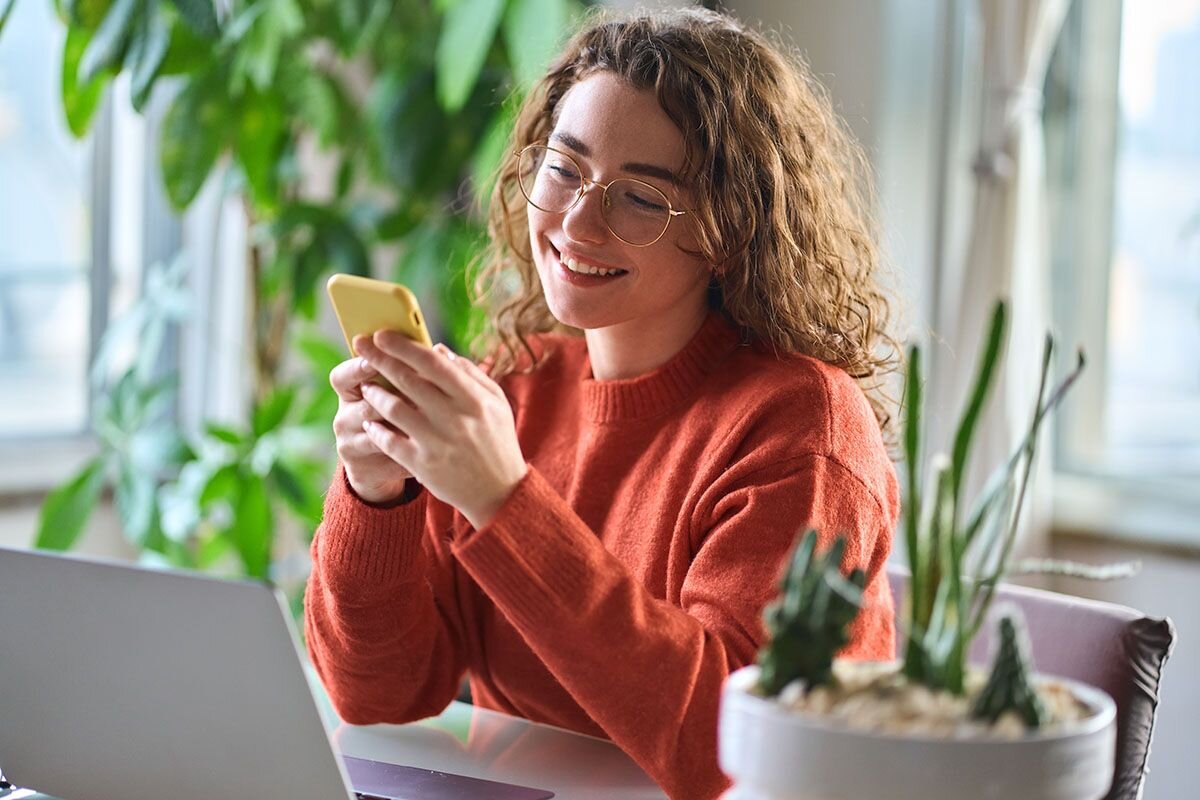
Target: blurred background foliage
{"type": "Point", "coordinates": [407, 106]}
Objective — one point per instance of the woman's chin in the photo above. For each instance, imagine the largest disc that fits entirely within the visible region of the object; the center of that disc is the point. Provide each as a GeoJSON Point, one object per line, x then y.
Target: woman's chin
{"type": "Point", "coordinates": [574, 316]}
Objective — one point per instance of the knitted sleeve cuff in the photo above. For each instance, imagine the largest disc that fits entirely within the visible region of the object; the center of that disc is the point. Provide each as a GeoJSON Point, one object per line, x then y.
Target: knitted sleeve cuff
{"type": "Point", "coordinates": [534, 553]}
{"type": "Point", "coordinates": [369, 545]}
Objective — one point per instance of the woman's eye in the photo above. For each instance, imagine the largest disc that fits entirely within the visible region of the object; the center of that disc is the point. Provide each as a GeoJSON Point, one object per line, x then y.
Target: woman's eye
{"type": "Point", "coordinates": [562, 170]}
{"type": "Point", "coordinates": [644, 202]}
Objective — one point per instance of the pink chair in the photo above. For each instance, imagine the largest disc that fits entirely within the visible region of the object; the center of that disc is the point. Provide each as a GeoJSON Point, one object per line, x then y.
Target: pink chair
{"type": "Point", "coordinates": [1106, 645]}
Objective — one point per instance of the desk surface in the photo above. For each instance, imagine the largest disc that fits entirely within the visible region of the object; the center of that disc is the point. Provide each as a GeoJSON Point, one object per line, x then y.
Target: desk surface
{"type": "Point", "coordinates": [473, 741]}
{"type": "Point", "coordinates": [466, 740]}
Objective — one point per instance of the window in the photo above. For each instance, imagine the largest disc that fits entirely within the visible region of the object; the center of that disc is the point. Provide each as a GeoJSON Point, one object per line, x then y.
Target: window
{"type": "Point", "coordinates": [78, 222]}
{"type": "Point", "coordinates": [1123, 164]}
{"type": "Point", "coordinates": [45, 237]}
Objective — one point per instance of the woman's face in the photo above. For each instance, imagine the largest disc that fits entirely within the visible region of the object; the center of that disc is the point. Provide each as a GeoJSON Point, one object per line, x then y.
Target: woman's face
{"type": "Point", "coordinates": [616, 131]}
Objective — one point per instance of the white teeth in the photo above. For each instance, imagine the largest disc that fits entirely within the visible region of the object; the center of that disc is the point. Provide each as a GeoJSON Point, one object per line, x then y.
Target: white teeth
{"type": "Point", "coordinates": [586, 269]}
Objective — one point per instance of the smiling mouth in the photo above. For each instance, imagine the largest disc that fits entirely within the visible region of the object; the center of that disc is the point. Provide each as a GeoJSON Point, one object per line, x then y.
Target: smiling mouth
{"type": "Point", "coordinates": [583, 268]}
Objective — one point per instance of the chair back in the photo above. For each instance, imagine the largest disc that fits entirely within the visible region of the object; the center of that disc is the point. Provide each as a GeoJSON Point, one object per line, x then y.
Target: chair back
{"type": "Point", "coordinates": [1108, 646]}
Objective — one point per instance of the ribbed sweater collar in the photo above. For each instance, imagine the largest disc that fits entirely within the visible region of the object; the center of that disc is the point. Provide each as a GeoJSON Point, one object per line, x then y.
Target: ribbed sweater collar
{"type": "Point", "coordinates": [665, 387]}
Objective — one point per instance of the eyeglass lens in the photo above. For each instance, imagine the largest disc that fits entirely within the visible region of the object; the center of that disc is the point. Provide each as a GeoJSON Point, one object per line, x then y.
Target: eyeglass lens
{"type": "Point", "coordinates": [636, 212]}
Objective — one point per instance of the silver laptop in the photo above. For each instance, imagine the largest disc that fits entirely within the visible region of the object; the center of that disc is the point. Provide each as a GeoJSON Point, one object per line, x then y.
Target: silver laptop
{"type": "Point", "coordinates": [123, 683]}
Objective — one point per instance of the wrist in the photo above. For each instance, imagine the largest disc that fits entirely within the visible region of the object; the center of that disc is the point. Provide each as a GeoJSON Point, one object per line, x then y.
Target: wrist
{"type": "Point", "coordinates": [386, 497]}
{"type": "Point", "coordinates": [482, 513]}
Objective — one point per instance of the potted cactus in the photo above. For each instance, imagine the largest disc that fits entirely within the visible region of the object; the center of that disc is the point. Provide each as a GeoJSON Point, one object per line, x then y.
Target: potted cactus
{"type": "Point", "coordinates": [802, 724]}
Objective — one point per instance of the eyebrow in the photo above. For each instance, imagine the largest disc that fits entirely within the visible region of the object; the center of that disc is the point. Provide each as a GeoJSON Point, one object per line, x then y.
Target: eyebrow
{"type": "Point", "coordinates": [637, 168]}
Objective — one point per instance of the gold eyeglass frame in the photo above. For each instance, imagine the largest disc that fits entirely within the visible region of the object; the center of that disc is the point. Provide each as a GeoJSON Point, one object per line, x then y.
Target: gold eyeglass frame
{"type": "Point", "coordinates": [585, 185]}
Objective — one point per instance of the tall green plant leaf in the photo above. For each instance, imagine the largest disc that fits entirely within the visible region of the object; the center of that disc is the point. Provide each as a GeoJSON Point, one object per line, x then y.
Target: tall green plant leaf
{"type": "Point", "coordinates": [468, 31]}
{"type": "Point", "coordinates": [979, 393]}
{"type": "Point", "coordinates": [80, 100]}
{"type": "Point", "coordinates": [913, 391]}
{"type": "Point", "coordinates": [68, 507]}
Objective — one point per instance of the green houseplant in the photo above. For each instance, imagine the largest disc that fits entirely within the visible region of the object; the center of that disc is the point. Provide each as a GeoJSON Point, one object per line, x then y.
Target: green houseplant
{"type": "Point", "coordinates": [410, 101]}
{"type": "Point", "coordinates": [930, 707]}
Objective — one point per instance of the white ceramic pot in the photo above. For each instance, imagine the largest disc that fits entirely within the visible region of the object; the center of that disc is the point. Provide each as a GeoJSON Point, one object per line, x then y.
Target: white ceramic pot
{"type": "Point", "coordinates": [774, 754]}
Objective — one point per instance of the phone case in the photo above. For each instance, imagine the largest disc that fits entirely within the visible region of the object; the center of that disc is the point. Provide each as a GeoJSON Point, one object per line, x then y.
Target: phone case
{"type": "Point", "coordinates": [365, 305]}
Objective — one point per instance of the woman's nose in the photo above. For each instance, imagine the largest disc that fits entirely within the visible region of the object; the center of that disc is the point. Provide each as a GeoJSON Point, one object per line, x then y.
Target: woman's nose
{"type": "Point", "coordinates": [584, 221]}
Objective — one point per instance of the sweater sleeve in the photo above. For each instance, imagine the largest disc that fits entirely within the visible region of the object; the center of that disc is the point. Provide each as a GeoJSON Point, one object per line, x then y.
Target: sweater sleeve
{"type": "Point", "coordinates": [381, 617]}
{"type": "Point", "coordinates": [649, 671]}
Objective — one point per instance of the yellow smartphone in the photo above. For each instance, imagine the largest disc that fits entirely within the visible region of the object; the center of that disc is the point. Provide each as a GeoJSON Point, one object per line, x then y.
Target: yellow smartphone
{"type": "Point", "coordinates": [365, 305]}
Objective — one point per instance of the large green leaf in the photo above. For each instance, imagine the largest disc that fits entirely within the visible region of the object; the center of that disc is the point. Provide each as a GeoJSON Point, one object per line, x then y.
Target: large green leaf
{"type": "Point", "coordinates": [194, 133]}
{"type": "Point", "coordinates": [107, 46]}
{"type": "Point", "coordinates": [264, 32]}
{"type": "Point", "coordinates": [491, 151]}
{"type": "Point", "coordinates": [326, 241]}
{"type": "Point", "coordinates": [301, 484]}
{"type": "Point", "coordinates": [80, 101]}
{"type": "Point", "coordinates": [316, 96]}
{"type": "Point", "coordinates": [252, 529]}
{"type": "Point", "coordinates": [68, 507]}
{"type": "Point", "coordinates": [86, 13]}
{"type": "Point", "coordinates": [321, 353]}
{"type": "Point", "coordinates": [411, 130]}
{"type": "Point", "coordinates": [147, 51]}
{"type": "Point", "coordinates": [468, 30]}
{"type": "Point", "coordinates": [137, 505]}
{"type": "Point", "coordinates": [187, 53]}
{"type": "Point", "coordinates": [261, 137]}
{"type": "Point", "coordinates": [225, 434]}
{"type": "Point", "coordinates": [6, 7]}
{"type": "Point", "coordinates": [461, 317]}
{"type": "Point", "coordinates": [269, 414]}
{"type": "Point", "coordinates": [221, 486]}
{"type": "Point", "coordinates": [532, 30]}
{"type": "Point", "coordinates": [199, 16]}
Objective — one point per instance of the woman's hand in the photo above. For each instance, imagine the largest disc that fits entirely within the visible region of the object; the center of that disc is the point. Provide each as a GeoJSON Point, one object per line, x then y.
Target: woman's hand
{"type": "Point", "coordinates": [456, 435]}
{"type": "Point", "coordinates": [374, 476]}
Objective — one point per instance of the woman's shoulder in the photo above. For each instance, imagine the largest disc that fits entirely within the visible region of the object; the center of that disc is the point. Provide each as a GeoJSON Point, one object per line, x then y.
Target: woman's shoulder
{"type": "Point", "coordinates": [800, 405]}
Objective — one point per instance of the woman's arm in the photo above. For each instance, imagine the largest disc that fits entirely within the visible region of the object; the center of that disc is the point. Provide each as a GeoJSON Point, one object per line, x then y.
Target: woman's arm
{"type": "Point", "coordinates": [650, 672]}
{"type": "Point", "coordinates": [381, 615]}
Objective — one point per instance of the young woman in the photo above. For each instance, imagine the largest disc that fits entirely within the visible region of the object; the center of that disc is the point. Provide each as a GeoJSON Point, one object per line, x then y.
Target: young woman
{"type": "Point", "coordinates": [687, 344]}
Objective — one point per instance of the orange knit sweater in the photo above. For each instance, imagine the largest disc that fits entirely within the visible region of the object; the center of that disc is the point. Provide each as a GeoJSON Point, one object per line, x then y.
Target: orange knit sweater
{"type": "Point", "coordinates": [627, 574]}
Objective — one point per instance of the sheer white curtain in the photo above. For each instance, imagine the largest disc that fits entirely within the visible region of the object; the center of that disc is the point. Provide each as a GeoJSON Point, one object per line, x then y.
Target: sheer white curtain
{"type": "Point", "coordinates": [1005, 248]}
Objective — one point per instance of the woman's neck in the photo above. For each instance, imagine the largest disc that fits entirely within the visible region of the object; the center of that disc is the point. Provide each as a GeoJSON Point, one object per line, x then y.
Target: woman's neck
{"type": "Point", "coordinates": [630, 349]}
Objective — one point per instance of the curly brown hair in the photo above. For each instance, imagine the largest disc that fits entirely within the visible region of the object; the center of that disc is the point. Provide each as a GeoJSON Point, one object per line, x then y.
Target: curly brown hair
{"type": "Point", "coordinates": [785, 201]}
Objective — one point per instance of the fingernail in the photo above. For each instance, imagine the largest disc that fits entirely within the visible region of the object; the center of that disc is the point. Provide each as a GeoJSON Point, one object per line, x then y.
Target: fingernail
{"type": "Point", "coordinates": [446, 351]}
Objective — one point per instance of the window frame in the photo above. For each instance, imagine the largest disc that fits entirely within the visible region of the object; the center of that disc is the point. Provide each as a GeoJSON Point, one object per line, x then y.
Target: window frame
{"type": "Point", "coordinates": [1087, 498]}
{"type": "Point", "coordinates": [32, 465]}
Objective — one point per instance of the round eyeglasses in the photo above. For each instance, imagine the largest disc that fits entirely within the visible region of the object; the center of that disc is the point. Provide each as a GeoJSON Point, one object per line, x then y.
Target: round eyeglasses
{"type": "Point", "coordinates": [636, 212]}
